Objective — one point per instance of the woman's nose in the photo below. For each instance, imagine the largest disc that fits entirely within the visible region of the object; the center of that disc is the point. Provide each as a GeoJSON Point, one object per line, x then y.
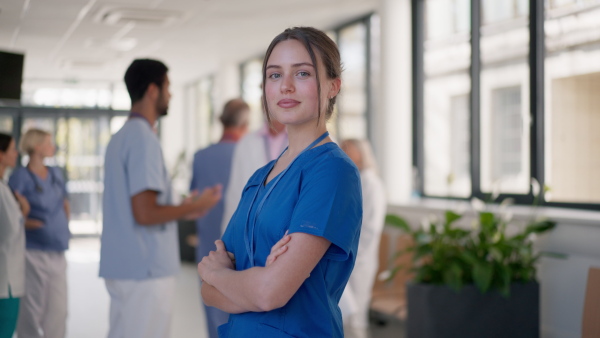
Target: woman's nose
{"type": "Point", "coordinates": [287, 84]}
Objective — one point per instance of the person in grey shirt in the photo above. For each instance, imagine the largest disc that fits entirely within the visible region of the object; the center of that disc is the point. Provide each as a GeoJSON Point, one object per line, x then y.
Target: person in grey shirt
{"type": "Point", "coordinates": [139, 253]}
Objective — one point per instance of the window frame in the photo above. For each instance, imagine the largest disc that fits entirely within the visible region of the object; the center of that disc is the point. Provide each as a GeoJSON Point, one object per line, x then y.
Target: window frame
{"type": "Point", "coordinates": [536, 60]}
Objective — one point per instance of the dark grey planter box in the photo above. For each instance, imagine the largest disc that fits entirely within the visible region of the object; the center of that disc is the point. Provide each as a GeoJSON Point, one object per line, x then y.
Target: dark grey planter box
{"type": "Point", "coordinates": [439, 312]}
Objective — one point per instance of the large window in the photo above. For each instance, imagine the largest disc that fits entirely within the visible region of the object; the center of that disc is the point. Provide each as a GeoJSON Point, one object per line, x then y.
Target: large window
{"type": "Point", "coordinates": [572, 87]}
{"type": "Point", "coordinates": [506, 91]}
{"type": "Point", "coordinates": [352, 101]}
{"type": "Point", "coordinates": [251, 80]}
{"type": "Point", "coordinates": [447, 55]}
{"type": "Point", "coordinates": [81, 137]}
{"type": "Point", "coordinates": [354, 104]}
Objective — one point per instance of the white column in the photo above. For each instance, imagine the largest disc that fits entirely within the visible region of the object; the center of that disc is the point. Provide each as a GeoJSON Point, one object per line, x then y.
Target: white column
{"type": "Point", "coordinates": [396, 101]}
{"type": "Point", "coordinates": [227, 85]}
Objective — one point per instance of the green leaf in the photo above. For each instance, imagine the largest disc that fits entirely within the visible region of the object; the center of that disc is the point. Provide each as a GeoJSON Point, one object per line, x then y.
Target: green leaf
{"type": "Point", "coordinates": [486, 218]}
{"type": "Point", "coordinates": [482, 276]}
{"type": "Point", "coordinates": [488, 223]}
{"type": "Point", "coordinates": [540, 227]}
{"type": "Point", "coordinates": [505, 279]}
{"type": "Point", "coordinates": [451, 217]}
{"type": "Point", "coordinates": [496, 254]}
{"type": "Point", "coordinates": [398, 222]}
{"type": "Point", "coordinates": [453, 276]}
{"type": "Point", "coordinates": [422, 250]}
{"type": "Point", "coordinates": [469, 257]}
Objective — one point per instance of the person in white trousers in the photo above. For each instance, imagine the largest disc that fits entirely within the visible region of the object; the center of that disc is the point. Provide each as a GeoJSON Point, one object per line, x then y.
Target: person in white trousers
{"type": "Point", "coordinates": [139, 256]}
{"type": "Point", "coordinates": [356, 298]}
{"type": "Point", "coordinates": [44, 307]}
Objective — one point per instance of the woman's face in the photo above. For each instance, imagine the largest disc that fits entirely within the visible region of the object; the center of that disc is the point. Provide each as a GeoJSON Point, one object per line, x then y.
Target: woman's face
{"type": "Point", "coordinates": [46, 148]}
{"type": "Point", "coordinates": [9, 158]}
{"type": "Point", "coordinates": [291, 85]}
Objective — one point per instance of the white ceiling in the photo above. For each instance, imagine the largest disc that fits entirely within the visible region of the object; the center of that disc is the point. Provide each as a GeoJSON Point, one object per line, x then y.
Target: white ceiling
{"type": "Point", "coordinates": [64, 40]}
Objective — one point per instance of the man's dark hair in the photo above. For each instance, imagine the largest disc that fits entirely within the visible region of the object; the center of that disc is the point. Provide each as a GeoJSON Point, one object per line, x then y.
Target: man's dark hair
{"type": "Point", "coordinates": [5, 142]}
{"type": "Point", "coordinates": [140, 74]}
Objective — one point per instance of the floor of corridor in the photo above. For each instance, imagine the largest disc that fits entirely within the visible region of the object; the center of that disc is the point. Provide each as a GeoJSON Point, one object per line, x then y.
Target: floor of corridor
{"type": "Point", "coordinates": [89, 301]}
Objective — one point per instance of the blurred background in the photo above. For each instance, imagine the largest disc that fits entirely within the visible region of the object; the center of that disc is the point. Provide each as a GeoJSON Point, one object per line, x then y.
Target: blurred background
{"type": "Point", "coordinates": [460, 99]}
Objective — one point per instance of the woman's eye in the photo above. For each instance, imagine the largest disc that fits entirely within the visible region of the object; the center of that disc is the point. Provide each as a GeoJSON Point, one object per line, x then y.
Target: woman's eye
{"type": "Point", "coordinates": [274, 76]}
{"type": "Point", "coordinates": [304, 74]}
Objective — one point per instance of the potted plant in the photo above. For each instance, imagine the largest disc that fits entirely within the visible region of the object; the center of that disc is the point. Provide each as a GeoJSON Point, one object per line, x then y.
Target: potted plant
{"type": "Point", "coordinates": [477, 281]}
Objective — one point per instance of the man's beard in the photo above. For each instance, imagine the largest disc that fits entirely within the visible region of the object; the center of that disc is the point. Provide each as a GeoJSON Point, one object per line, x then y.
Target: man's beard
{"type": "Point", "coordinates": [163, 111]}
{"type": "Point", "coordinates": [161, 107]}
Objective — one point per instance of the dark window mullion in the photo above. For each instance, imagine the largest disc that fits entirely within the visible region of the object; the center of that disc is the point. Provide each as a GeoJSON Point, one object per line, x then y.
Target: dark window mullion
{"type": "Point", "coordinates": [475, 73]}
{"type": "Point", "coordinates": [536, 82]}
{"type": "Point", "coordinates": [418, 39]}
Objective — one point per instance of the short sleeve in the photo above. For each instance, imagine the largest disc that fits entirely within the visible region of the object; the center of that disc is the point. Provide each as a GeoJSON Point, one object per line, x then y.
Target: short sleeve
{"type": "Point", "coordinates": [18, 180]}
{"type": "Point", "coordinates": [330, 206]}
{"type": "Point", "coordinates": [144, 164]}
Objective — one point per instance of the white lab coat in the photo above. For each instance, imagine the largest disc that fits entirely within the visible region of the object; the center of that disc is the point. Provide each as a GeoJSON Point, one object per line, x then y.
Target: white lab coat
{"type": "Point", "coordinates": [12, 245]}
{"type": "Point", "coordinates": [356, 298]}
{"type": "Point", "coordinates": [249, 155]}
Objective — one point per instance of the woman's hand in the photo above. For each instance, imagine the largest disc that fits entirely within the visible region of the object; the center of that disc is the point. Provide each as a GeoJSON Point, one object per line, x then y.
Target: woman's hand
{"type": "Point", "coordinates": [278, 249]}
{"type": "Point", "coordinates": [32, 224]}
{"type": "Point", "coordinates": [23, 204]}
{"type": "Point", "coordinates": [215, 261]}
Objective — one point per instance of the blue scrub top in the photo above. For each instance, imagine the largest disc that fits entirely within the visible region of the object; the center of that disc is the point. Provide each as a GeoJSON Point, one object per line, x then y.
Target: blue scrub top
{"type": "Point", "coordinates": [320, 195]}
{"type": "Point", "coordinates": [212, 165]}
{"type": "Point", "coordinates": [134, 163]}
{"type": "Point", "coordinates": [46, 198]}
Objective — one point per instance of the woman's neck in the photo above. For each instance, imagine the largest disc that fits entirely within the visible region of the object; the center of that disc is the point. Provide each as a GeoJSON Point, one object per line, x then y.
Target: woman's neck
{"type": "Point", "coordinates": [2, 170]}
{"type": "Point", "coordinates": [301, 137]}
{"type": "Point", "coordinates": [36, 163]}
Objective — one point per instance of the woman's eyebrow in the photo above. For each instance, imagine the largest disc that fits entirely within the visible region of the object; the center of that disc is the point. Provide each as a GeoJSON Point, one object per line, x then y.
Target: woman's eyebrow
{"type": "Point", "coordinates": [295, 65]}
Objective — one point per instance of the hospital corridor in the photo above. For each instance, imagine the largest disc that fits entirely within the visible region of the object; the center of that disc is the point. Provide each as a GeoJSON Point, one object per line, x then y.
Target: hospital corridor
{"type": "Point", "coordinates": [299, 168]}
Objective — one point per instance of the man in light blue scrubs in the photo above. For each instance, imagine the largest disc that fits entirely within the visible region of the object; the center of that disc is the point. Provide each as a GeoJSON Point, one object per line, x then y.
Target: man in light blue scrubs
{"type": "Point", "coordinates": [212, 165]}
{"type": "Point", "coordinates": [139, 253]}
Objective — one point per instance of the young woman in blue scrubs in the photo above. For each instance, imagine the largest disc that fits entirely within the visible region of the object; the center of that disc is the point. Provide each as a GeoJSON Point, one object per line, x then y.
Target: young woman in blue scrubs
{"type": "Point", "coordinates": [307, 203]}
{"type": "Point", "coordinates": [44, 306]}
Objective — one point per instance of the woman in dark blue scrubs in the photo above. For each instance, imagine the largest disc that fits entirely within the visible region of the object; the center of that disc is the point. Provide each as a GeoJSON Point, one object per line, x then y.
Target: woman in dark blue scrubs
{"type": "Point", "coordinates": [310, 196]}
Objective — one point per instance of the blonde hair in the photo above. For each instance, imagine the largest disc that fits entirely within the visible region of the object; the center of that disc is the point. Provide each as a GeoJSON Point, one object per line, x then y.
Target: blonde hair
{"type": "Point", "coordinates": [31, 139]}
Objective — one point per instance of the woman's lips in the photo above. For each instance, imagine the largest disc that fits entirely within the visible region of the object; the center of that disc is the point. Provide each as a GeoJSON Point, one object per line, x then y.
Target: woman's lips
{"type": "Point", "coordinates": [287, 103]}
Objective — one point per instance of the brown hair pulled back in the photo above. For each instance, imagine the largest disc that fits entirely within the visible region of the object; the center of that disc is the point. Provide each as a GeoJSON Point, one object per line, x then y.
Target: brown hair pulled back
{"type": "Point", "coordinates": [312, 39]}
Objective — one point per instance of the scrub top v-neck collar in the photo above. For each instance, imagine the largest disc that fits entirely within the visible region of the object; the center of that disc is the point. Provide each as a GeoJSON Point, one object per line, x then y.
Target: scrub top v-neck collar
{"type": "Point", "coordinates": [251, 218]}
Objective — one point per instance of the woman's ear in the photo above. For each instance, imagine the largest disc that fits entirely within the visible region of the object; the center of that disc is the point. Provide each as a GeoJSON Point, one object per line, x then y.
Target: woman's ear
{"type": "Point", "coordinates": [334, 88]}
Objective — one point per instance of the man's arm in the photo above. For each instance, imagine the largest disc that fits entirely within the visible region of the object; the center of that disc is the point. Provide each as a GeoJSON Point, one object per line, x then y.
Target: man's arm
{"type": "Point", "coordinates": [147, 211]}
